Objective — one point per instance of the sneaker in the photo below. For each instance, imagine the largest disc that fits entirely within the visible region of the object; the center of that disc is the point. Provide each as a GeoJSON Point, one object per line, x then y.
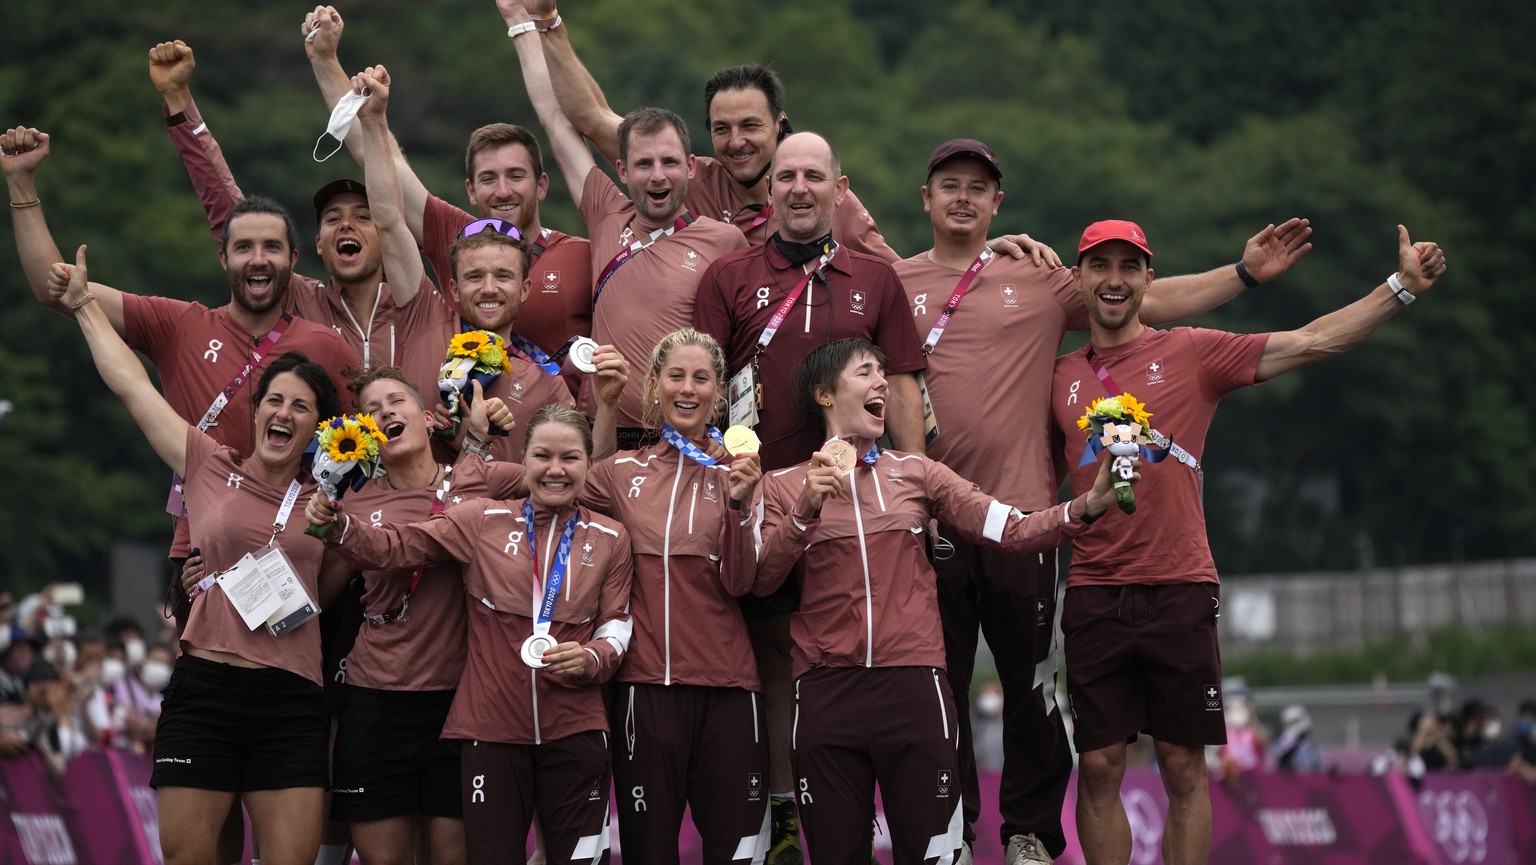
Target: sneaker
{"type": "Point", "coordinates": [784, 844]}
{"type": "Point", "coordinates": [965, 855]}
{"type": "Point", "coordinates": [1026, 850]}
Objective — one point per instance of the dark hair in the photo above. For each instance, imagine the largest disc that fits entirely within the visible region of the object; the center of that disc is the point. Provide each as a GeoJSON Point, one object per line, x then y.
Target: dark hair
{"type": "Point", "coordinates": [260, 204]}
{"type": "Point", "coordinates": [121, 624]}
{"type": "Point", "coordinates": [313, 375]}
{"type": "Point", "coordinates": [822, 367]}
{"type": "Point", "coordinates": [560, 413]}
{"type": "Point", "coordinates": [649, 121]}
{"type": "Point", "coordinates": [359, 379]}
{"type": "Point", "coordinates": [490, 237]}
{"type": "Point", "coordinates": [748, 76]}
{"type": "Point", "coordinates": [495, 135]}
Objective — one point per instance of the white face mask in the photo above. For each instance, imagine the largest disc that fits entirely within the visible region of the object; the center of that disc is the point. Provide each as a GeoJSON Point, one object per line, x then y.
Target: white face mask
{"type": "Point", "coordinates": [155, 675]}
{"type": "Point", "coordinates": [134, 651]}
{"type": "Point", "coordinates": [1491, 731]}
{"type": "Point", "coordinates": [989, 703]}
{"type": "Point", "coordinates": [1237, 716]}
{"type": "Point", "coordinates": [341, 121]}
{"type": "Point", "coordinates": [62, 654]}
{"type": "Point", "coordinates": [112, 670]}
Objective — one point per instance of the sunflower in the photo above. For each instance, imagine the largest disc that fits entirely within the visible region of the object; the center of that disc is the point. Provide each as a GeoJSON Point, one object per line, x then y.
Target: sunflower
{"type": "Point", "coordinates": [470, 344]}
{"type": "Point", "coordinates": [1135, 411]}
{"type": "Point", "coordinates": [348, 443]}
{"type": "Point", "coordinates": [371, 427]}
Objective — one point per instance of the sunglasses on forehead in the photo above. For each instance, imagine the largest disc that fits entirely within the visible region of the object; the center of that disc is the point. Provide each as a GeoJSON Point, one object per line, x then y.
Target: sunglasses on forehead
{"type": "Point", "coordinates": [500, 226]}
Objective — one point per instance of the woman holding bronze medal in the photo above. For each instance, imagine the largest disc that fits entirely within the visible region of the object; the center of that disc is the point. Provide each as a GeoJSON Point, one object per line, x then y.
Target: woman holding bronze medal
{"type": "Point", "coordinates": [243, 714]}
{"type": "Point", "coordinates": [687, 698]}
{"type": "Point", "coordinates": [872, 704]}
{"type": "Point", "coordinates": [547, 586]}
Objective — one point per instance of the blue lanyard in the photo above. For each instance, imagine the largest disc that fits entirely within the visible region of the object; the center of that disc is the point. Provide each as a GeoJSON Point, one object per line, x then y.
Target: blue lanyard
{"type": "Point", "coordinates": [689, 449]}
{"type": "Point", "coordinates": [556, 570]}
{"type": "Point", "coordinates": [550, 363]}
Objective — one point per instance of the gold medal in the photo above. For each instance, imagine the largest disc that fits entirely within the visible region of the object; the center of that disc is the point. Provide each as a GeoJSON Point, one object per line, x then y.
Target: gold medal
{"type": "Point", "coordinates": [741, 440]}
{"type": "Point", "coordinates": [843, 456]}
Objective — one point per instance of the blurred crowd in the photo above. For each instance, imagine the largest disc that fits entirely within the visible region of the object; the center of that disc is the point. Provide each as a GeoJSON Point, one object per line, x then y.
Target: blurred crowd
{"type": "Point", "coordinates": [65, 689]}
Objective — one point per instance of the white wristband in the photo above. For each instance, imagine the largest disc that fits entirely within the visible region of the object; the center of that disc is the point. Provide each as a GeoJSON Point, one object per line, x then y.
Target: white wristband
{"type": "Point", "coordinates": [519, 29]}
{"type": "Point", "coordinates": [550, 26]}
{"type": "Point", "coordinates": [1403, 295]}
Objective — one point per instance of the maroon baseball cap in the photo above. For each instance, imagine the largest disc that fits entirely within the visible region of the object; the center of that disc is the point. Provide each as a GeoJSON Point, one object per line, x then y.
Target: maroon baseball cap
{"type": "Point", "coordinates": [1113, 229]}
{"type": "Point", "coordinates": [335, 188]}
{"type": "Point", "coordinates": [965, 147]}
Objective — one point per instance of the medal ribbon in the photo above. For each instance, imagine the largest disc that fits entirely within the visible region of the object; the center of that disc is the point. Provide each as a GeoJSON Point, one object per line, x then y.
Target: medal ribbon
{"type": "Point", "coordinates": [634, 248]}
{"type": "Point", "coordinates": [689, 449]}
{"type": "Point", "coordinates": [174, 505]}
{"type": "Point", "coordinates": [546, 609]}
{"type": "Point", "coordinates": [398, 614]}
{"type": "Point", "coordinates": [1176, 451]}
{"type": "Point", "coordinates": [550, 363]}
{"type": "Point", "coordinates": [954, 300]}
{"type": "Point", "coordinates": [794, 296]}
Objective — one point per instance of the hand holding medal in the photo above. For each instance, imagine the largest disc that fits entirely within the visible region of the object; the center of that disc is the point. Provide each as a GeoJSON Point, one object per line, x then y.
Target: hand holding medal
{"type": "Point", "coordinates": [569, 660]}
{"type": "Point", "coordinates": [608, 368]}
{"type": "Point", "coordinates": [746, 466]}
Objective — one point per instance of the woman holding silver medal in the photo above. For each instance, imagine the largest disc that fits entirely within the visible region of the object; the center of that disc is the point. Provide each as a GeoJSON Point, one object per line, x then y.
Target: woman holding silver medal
{"type": "Point", "coordinates": [547, 586]}
{"type": "Point", "coordinates": [243, 714]}
{"type": "Point", "coordinates": [871, 701]}
{"type": "Point", "coordinates": [687, 698]}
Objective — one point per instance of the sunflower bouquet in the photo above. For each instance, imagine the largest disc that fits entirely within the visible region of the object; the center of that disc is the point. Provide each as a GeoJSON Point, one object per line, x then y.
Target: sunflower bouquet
{"type": "Point", "coordinates": [476, 355]}
{"type": "Point", "coordinates": [345, 453]}
{"type": "Point", "coordinates": [1116, 424]}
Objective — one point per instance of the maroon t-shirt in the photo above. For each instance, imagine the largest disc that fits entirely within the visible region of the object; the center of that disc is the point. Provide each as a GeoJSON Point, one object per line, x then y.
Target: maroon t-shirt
{"type": "Point", "coordinates": [1180, 374]}
{"type": "Point", "coordinates": [198, 351]}
{"type": "Point", "coordinates": [861, 298]}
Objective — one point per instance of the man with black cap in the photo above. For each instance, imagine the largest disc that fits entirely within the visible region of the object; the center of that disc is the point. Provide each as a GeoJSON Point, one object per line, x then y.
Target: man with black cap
{"type": "Point", "coordinates": [1139, 617]}
{"type": "Point", "coordinates": [375, 317]}
{"type": "Point", "coordinates": [990, 327]}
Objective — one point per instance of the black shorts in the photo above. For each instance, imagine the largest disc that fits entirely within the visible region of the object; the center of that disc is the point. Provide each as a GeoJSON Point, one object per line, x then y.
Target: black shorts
{"type": "Point", "coordinates": [339, 624]}
{"type": "Point", "coordinates": [236, 729]}
{"type": "Point", "coordinates": [388, 759]}
{"type": "Point", "coordinates": [1144, 658]}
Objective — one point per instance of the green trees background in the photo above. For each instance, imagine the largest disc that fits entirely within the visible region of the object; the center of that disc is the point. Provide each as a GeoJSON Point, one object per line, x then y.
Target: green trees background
{"type": "Point", "coordinates": [1201, 119]}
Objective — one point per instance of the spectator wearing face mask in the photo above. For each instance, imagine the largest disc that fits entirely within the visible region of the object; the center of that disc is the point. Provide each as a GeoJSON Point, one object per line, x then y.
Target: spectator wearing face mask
{"type": "Point", "coordinates": [1297, 751]}
{"type": "Point", "coordinates": [58, 729]}
{"type": "Point", "coordinates": [1483, 742]}
{"type": "Point", "coordinates": [121, 707]}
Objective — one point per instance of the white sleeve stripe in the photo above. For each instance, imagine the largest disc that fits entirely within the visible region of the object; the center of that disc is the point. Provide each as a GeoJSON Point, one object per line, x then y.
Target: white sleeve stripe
{"type": "Point", "coordinates": [201, 127]}
{"type": "Point", "coordinates": [617, 632]}
{"type": "Point", "coordinates": [997, 521]}
{"type": "Point", "coordinates": [497, 511]}
{"type": "Point", "coordinates": [604, 529]}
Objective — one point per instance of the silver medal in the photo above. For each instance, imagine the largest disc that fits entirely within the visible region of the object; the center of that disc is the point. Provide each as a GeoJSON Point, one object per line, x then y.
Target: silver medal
{"type": "Point", "coordinates": [534, 648]}
{"type": "Point", "coordinates": [581, 354]}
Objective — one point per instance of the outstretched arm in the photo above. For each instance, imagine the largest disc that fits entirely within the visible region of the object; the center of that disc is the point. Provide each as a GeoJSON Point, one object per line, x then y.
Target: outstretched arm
{"type": "Point", "coordinates": [170, 70]}
{"type": "Point", "coordinates": [386, 206]}
{"type": "Point", "coordinates": [1266, 256]}
{"type": "Point", "coordinates": [119, 368]}
{"type": "Point", "coordinates": [1418, 266]}
{"type": "Point", "coordinates": [21, 150]}
{"type": "Point", "coordinates": [569, 148]}
{"type": "Point", "coordinates": [580, 97]}
{"type": "Point", "coordinates": [321, 32]}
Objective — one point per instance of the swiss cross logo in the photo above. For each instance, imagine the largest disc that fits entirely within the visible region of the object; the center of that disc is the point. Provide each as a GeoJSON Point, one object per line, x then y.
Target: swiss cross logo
{"type": "Point", "coordinates": [1156, 372]}
{"type": "Point", "coordinates": [856, 302]}
{"type": "Point", "coordinates": [754, 786]}
{"type": "Point", "coordinates": [944, 785]}
{"type": "Point", "coordinates": [517, 391]}
{"type": "Point", "coordinates": [1213, 698]}
{"type": "Point", "coordinates": [691, 260]}
{"type": "Point", "coordinates": [551, 281]}
{"type": "Point", "coordinates": [1010, 297]}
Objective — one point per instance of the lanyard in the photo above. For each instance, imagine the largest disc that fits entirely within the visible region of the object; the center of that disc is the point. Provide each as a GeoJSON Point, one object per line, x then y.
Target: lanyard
{"type": "Point", "coordinates": [954, 300]}
{"type": "Point", "coordinates": [545, 610]}
{"type": "Point", "coordinates": [630, 251]}
{"type": "Point", "coordinates": [403, 612]}
{"type": "Point", "coordinates": [794, 296]}
{"type": "Point", "coordinates": [550, 363]}
{"type": "Point", "coordinates": [278, 525]}
{"type": "Point", "coordinates": [689, 449]}
{"type": "Point", "coordinates": [1175, 450]}
{"type": "Point", "coordinates": [764, 214]}
{"type": "Point", "coordinates": [540, 244]}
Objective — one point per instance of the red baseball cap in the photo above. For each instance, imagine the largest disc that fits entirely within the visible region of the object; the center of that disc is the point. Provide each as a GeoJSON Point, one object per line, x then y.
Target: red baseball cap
{"type": "Point", "coordinates": [965, 147]}
{"type": "Point", "coordinates": [1113, 229]}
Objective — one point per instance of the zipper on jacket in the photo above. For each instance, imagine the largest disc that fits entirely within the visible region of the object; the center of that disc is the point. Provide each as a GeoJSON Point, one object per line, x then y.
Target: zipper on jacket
{"type": "Point", "coordinates": [629, 723]}
{"type": "Point", "coordinates": [869, 602]}
{"type": "Point", "coordinates": [938, 693]}
{"type": "Point", "coordinates": [666, 577]}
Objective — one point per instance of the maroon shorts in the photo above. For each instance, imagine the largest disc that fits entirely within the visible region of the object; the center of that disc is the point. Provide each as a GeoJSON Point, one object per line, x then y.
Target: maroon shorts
{"type": "Point", "coordinates": [1144, 658]}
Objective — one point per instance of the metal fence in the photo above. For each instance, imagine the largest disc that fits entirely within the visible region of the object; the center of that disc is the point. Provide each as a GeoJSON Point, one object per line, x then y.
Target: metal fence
{"type": "Point", "coordinates": [1308, 612]}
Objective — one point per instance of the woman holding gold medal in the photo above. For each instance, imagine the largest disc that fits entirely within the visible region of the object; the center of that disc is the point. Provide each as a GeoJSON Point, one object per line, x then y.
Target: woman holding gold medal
{"type": "Point", "coordinates": [547, 591]}
{"type": "Point", "coordinates": [872, 703]}
{"type": "Point", "coordinates": [686, 704]}
{"type": "Point", "coordinates": [243, 714]}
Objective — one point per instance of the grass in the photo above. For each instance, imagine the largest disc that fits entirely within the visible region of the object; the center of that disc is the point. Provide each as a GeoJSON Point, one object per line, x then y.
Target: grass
{"type": "Point", "coordinates": [1449, 650]}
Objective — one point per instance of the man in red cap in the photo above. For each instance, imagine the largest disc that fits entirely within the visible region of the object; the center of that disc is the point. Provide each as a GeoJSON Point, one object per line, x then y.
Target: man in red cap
{"type": "Point", "coordinates": [990, 327]}
{"type": "Point", "coordinates": [1142, 598]}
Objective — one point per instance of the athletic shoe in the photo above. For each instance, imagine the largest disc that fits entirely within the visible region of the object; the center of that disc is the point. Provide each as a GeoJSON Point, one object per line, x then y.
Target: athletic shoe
{"type": "Point", "coordinates": [784, 846]}
{"type": "Point", "coordinates": [1026, 850]}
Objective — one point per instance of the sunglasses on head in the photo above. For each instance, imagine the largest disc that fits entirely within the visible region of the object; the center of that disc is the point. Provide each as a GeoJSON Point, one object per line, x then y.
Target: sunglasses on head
{"type": "Point", "coordinates": [500, 226]}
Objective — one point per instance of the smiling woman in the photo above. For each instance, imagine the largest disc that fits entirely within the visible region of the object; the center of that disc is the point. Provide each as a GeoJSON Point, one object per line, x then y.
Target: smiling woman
{"type": "Point", "coordinates": [243, 714]}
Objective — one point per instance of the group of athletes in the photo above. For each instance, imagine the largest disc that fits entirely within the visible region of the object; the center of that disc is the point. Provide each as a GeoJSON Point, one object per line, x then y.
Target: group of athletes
{"type": "Point", "coordinates": [573, 581]}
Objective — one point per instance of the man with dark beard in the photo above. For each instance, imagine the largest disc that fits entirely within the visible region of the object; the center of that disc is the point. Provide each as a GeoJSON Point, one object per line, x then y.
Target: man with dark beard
{"type": "Point", "coordinates": [205, 357]}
